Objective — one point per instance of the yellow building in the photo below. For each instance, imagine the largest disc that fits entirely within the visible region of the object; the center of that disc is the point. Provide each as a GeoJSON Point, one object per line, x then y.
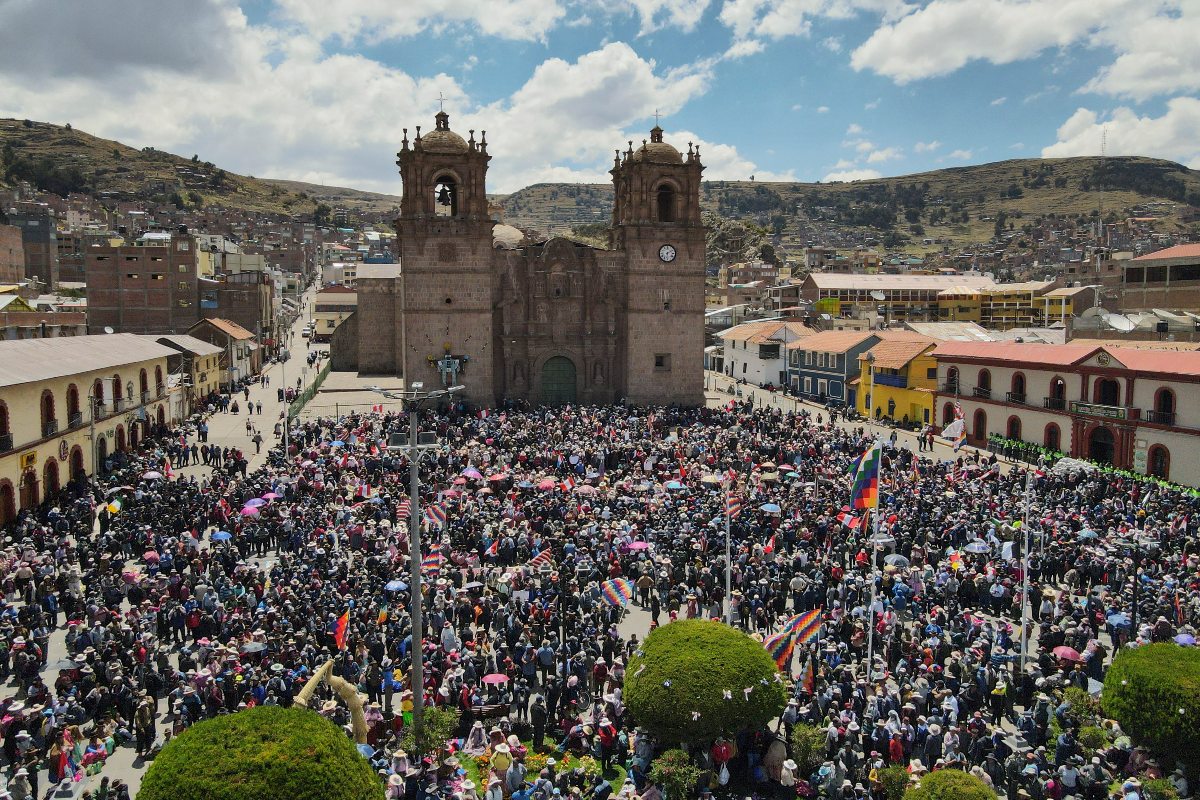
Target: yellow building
{"type": "Point", "coordinates": [1004, 306]}
{"type": "Point", "coordinates": [197, 364]}
{"type": "Point", "coordinates": [898, 378]}
{"type": "Point", "coordinates": [66, 404]}
{"type": "Point", "coordinates": [331, 305]}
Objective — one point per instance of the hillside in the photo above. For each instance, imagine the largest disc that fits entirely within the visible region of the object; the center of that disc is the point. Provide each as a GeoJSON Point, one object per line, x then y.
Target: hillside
{"type": "Point", "coordinates": [352, 199]}
{"type": "Point", "coordinates": [61, 160]}
{"type": "Point", "coordinates": [953, 206]}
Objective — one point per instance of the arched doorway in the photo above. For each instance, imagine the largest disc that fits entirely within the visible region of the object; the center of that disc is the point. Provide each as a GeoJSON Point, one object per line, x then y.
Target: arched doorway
{"type": "Point", "coordinates": [1158, 462]}
{"type": "Point", "coordinates": [101, 452]}
{"type": "Point", "coordinates": [1108, 392]}
{"type": "Point", "coordinates": [8, 502]}
{"type": "Point", "coordinates": [50, 478]}
{"type": "Point", "coordinates": [1102, 445]}
{"type": "Point", "coordinates": [77, 468]}
{"type": "Point", "coordinates": [980, 431]}
{"type": "Point", "coordinates": [947, 414]}
{"type": "Point", "coordinates": [558, 381]}
{"type": "Point", "coordinates": [29, 489]}
{"type": "Point", "coordinates": [120, 438]}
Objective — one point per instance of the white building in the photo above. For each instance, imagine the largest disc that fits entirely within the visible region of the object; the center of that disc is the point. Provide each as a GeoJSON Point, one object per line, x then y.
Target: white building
{"type": "Point", "coordinates": [756, 352]}
{"type": "Point", "coordinates": [1133, 408]}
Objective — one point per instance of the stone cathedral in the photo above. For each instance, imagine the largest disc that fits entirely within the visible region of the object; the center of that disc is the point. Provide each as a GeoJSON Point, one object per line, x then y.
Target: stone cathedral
{"type": "Point", "coordinates": [475, 303]}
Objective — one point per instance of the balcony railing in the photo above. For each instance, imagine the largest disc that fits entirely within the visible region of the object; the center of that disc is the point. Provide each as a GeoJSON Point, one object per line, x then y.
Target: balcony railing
{"type": "Point", "coordinates": [1015, 397]}
{"type": "Point", "coordinates": [1054, 403]}
{"type": "Point", "coordinates": [5, 442]}
{"type": "Point", "coordinates": [950, 387]}
{"type": "Point", "coordinates": [75, 419]}
{"type": "Point", "coordinates": [1160, 417]}
{"type": "Point", "coordinates": [49, 428]}
{"type": "Point", "coordinates": [980, 391]}
{"type": "Point", "coordinates": [1108, 412]}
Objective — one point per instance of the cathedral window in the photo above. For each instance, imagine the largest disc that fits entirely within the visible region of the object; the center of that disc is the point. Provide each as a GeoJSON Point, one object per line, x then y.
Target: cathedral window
{"type": "Point", "coordinates": [666, 203]}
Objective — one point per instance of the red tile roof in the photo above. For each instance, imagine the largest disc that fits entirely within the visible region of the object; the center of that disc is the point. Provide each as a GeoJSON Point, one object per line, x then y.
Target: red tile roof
{"type": "Point", "coordinates": [1023, 352]}
{"type": "Point", "coordinates": [1162, 361]}
{"type": "Point", "coordinates": [1178, 251]}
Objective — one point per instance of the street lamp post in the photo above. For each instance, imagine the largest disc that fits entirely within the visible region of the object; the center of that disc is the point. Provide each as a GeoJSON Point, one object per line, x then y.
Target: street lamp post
{"type": "Point", "coordinates": [414, 444]}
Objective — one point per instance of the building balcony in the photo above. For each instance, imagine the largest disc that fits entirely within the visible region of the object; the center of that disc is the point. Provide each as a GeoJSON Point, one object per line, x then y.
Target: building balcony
{"type": "Point", "coordinates": [6, 442]}
{"type": "Point", "coordinates": [981, 392]}
{"type": "Point", "coordinates": [1015, 397]}
{"type": "Point", "coordinates": [1054, 403]}
{"type": "Point", "coordinates": [145, 397]}
{"type": "Point", "coordinates": [49, 428]}
{"type": "Point", "coordinates": [75, 419]}
{"type": "Point", "coordinates": [1108, 412]}
{"type": "Point", "coordinates": [898, 381]}
{"type": "Point", "coordinates": [952, 387]}
{"type": "Point", "coordinates": [1159, 417]}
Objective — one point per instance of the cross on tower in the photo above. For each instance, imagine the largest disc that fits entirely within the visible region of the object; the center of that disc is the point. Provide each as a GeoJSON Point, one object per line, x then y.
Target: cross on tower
{"type": "Point", "coordinates": [656, 116]}
{"type": "Point", "coordinates": [441, 101]}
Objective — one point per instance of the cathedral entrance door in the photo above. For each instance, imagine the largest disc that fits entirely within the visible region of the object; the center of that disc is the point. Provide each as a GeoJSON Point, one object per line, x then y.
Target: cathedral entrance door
{"type": "Point", "coordinates": [558, 381]}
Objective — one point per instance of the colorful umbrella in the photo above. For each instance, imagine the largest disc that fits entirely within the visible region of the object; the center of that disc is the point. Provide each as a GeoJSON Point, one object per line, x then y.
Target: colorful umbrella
{"type": "Point", "coordinates": [639, 545]}
{"type": "Point", "coordinates": [395, 586]}
{"type": "Point", "coordinates": [151, 556]}
{"type": "Point", "coordinates": [1185, 639]}
{"type": "Point", "coordinates": [472, 473]}
{"type": "Point", "coordinates": [495, 679]}
{"type": "Point", "coordinates": [152, 475]}
{"type": "Point", "coordinates": [249, 511]}
{"type": "Point", "coordinates": [221, 536]}
{"type": "Point", "coordinates": [271, 496]}
{"type": "Point", "coordinates": [1067, 653]}
{"type": "Point", "coordinates": [546, 484]}
{"type": "Point", "coordinates": [617, 591]}
{"type": "Point", "coordinates": [255, 502]}
{"type": "Point", "coordinates": [770, 508]}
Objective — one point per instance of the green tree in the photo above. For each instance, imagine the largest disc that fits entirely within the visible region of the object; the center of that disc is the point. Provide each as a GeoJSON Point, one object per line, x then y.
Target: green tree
{"type": "Point", "coordinates": [946, 784]}
{"type": "Point", "coordinates": [895, 781]}
{"type": "Point", "coordinates": [675, 772]}
{"type": "Point", "coordinates": [268, 753]}
{"type": "Point", "coordinates": [321, 214]}
{"type": "Point", "coordinates": [676, 683]}
{"type": "Point", "coordinates": [808, 747]}
{"type": "Point", "coordinates": [1154, 692]}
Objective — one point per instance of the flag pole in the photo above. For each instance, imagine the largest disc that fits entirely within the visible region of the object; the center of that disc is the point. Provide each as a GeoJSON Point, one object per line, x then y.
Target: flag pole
{"type": "Point", "coordinates": [728, 561]}
{"type": "Point", "coordinates": [873, 545]}
{"type": "Point", "coordinates": [1026, 542]}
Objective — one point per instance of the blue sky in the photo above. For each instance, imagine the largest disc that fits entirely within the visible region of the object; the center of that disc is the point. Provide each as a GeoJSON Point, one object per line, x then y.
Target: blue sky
{"type": "Point", "coordinates": [781, 89]}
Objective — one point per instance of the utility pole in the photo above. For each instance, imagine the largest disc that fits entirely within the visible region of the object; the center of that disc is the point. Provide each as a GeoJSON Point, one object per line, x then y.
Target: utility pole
{"type": "Point", "coordinates": [414, 444]}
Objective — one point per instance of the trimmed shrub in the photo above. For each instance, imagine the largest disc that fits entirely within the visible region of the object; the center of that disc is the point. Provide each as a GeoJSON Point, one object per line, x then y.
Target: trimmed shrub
{"type": "Point", "coordinates": [675, 684]}
{"type": "Point", "coordinates": [1154, 692]}
{"type": "Point", "coordinates": [808, 747]}
{"type": "Point", "coordinates": [268, 753]}
{"type": "Point", "coordinates": [950, 784]}
{"type": "Point", "coordinates": [895, 781]}
{"type": "Point", "coordinates": [438, 726]}
{"type": "Point", "coordinates": [676, 773]}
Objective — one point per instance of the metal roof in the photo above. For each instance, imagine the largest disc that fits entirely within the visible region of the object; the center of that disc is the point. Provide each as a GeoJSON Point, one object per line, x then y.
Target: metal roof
{"type": "Point", "coordinates": [30, 360]}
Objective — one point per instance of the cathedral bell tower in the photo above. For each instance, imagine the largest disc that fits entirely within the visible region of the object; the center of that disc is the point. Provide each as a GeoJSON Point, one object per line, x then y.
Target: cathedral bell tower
{"type": "Point", "coordinates": [444, 240]}
{"type": "Point", "coordinates": [657, 226]}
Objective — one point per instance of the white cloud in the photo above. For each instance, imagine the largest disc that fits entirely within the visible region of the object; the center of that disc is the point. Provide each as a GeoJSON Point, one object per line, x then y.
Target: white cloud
{"type": "Point", "coordinates": [655, 14]}
{"type": "Point", "coordinates": [863, 146]}
{"type": "Point", "coordinates": [744, 47]}
{"type": "Point", "coordinates": [845, 164]}
{"type": "Point", "coordinates": [945, 35]}
{"type": "Point", "coordinates": [854, 129]}
{"type": "Point", "coordinates": [380, 20]}
{"type": "Point", "coordinates": [797, 107]}
{"type": "Point", "coordinates": [852, 175]}
{"type": "Point", "coordinates": [927, 147]}
{"type": "Point", "coordinates": [1158, 53]}
{"type": "Point", "coordinates": [884, 154]}
{"type": "Point", "coordinates": [1017, 146]}
{"type": "Point", "coordinates": [999, 101]}
{"type": "Point", "coordinates": [832, 43]}
{"type": "Point", "coordinates": [822, 109]}
{"type": "Point", "coordinates": [959, 155]}
{"type": "Point", "coordinates": [874, 104]}
{"type": "Point", "coordinates": [777, 19]}
{"type": "Point", "coordinates": [1170, 136]}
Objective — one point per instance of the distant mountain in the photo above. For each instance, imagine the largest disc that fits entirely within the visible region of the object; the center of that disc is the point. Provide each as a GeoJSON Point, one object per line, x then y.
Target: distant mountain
{"type": "Point", "coordinates": [954, 206]}
{"type": "Point", "coordinates": [352, 199]}
{"type": "Point", "coordinates": [62, 160]}
{"type": "Point", "coordinates": [947, 207]}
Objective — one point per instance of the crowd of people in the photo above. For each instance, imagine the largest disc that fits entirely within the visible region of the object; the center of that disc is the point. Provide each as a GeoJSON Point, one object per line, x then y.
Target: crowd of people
{"type": "Point", "coordinates": [182, 599]}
